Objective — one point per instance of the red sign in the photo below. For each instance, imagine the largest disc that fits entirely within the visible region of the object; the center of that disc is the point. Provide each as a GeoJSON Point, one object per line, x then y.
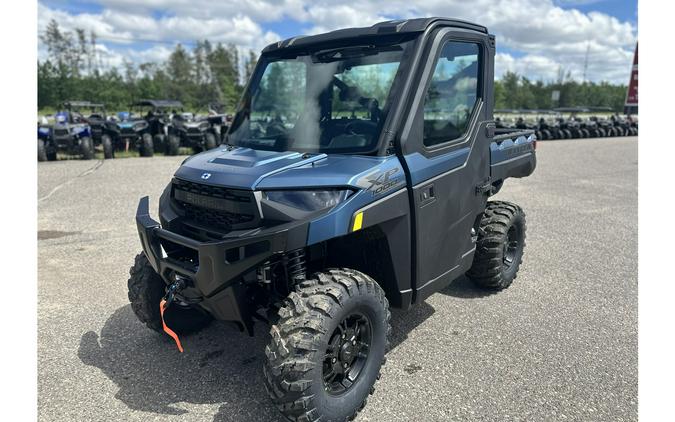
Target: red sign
{"type": "Point", "coordinates": [632, 95]}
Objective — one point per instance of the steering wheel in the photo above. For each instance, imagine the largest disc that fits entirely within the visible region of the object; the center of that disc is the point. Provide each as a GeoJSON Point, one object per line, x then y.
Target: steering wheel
{"type": "Point", "coordinates": [361, 127]}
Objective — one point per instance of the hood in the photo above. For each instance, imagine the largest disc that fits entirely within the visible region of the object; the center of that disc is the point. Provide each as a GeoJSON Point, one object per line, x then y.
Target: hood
{"type": "Point", "coordinates": [245, 168]}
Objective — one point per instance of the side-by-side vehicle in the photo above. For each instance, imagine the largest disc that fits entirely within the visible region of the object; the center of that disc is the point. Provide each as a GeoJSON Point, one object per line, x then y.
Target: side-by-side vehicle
{"type": "Point", "coordinates": [355, 177]}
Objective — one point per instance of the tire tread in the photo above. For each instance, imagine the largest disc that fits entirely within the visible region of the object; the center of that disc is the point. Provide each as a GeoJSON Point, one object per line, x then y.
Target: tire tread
{"type": "Point", "coordinates": [295, 339]}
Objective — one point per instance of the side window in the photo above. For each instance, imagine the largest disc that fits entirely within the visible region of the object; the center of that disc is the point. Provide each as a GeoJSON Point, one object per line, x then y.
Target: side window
{"type": "Point", "coordinates": [452, 94]}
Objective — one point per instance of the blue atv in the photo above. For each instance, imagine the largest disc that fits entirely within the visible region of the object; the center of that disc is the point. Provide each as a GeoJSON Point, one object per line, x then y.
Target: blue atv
{"type": "Point", "coordinates": [355, 177]}
{"type": "Point", "coordinates": [69, 134]}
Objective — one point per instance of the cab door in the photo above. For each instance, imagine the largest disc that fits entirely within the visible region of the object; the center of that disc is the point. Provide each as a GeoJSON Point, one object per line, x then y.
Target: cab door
{"type": "Point", "coordinates": [445, 149]}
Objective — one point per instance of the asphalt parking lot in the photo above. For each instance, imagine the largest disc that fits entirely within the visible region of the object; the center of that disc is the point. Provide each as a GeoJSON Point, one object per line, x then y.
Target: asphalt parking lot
{"type": "Point", "coordinates": [560, 344]}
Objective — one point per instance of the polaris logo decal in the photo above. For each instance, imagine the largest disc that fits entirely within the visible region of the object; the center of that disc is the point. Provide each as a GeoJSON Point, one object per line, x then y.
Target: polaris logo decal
{"type": "Point", "coordinates": [381, 182]}
{"type": "Point", "coordinates": [206, 176]}
{"type": "Point", "coordinates": [518, 150]}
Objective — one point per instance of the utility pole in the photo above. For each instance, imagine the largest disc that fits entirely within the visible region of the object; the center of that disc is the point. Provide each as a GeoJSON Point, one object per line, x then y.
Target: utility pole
{"type": "Point", "coordinates": [588, 48]}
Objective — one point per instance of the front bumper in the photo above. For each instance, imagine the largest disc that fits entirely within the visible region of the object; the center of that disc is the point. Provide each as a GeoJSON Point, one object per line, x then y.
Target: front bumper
{"type": "Point", "coordinates": [215, 268]}
{"type": "Point", "coordinates": [65, 141]}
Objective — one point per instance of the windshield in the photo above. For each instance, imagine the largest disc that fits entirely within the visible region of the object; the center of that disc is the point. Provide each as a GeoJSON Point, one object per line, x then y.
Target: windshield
{"type": "Point", "coordinates": [332, 100]}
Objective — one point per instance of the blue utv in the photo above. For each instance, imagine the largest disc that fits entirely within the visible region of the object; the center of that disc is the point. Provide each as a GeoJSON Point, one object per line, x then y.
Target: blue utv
{"type": "Point", "coordinates": [355, 177]}
{"type": "Point", "coordinates": [129, 131]}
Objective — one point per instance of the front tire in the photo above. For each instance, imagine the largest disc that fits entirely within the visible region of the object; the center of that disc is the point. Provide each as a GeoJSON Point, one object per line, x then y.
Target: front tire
{"type": "Point", "coordinates": [108, 151]}
{"type": "Point", "coordinates": [172, 145]}
{"type": "Point", "coordinates": [42, 151]}
{"type": "Point", "coordinates": [146, 290]}
{"type": "Point", "coordinates": [147, 148]}
{"type": "Point", "coordinates": [210, 140]}
{"type": "Point", "coordinates": [87, 148]}
{"type": "Point", "coordinates": [158, 142]}
{"type": "Point", "coordinates": [328, 347]}
{"type": "Point", "coordinates": [500, 246]}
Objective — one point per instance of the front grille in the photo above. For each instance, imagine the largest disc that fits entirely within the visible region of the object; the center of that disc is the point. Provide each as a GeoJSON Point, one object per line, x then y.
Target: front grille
{"type": "Point", "coordinates": [194, 131]}
{"type": "Point", "coordinates": [127, 131]}
{"type": "Point", "coordinates": [215, 207]}
{"type": "Point", "coordinates": [61, 132]}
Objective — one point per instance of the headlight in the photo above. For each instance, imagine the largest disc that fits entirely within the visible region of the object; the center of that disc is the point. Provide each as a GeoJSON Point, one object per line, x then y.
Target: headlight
{"type": "Point", "coordinates": [308, 200]}
{"type": "Point", "coordinates": [140, 125]}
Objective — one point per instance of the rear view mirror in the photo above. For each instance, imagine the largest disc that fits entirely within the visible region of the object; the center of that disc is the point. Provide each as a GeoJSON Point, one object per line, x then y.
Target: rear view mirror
{"type": "Point", "coordinates": [456, 50]}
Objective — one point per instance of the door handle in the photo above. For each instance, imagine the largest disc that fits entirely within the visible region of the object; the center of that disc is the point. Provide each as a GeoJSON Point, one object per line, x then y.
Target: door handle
{"type": "Point", "coordinates": [427, 195]}
{"type": "Point", "coordinates": [490, 130]}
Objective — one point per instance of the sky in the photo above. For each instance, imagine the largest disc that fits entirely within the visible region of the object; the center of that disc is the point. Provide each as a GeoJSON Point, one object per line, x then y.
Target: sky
{"type": "Point", "coordinates": [535, 38]}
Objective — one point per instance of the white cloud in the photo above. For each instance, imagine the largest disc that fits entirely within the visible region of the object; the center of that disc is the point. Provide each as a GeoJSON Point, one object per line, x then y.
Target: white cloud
{"type": "Point", "coordinates": [258, 10]}
{"type": "Point", "coordinates": [156, 54]}
{"type": "Point", "coordinates": [535, 67]}
{"type": "Point", "coordinates": [116, 28]}
{"type": "Point", "coordinates": [87, 21]}
{"type": "Point", "coordinates": [548, 35]}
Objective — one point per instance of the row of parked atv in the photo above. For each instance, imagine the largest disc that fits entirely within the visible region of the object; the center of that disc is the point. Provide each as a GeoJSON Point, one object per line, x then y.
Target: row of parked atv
{"type": "Point", "coordinates": [82, 127]}
{"type": "Point", "coordinates": [552, 125]}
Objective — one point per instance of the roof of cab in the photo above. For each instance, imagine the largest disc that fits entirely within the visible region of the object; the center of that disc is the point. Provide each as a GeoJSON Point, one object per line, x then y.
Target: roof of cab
{"type": "Point", "coordinates": [381, 28]}
{"type": "Point", "coordinates": [158, 103]}
{"type": "Point", "coordinates": [81, 104]}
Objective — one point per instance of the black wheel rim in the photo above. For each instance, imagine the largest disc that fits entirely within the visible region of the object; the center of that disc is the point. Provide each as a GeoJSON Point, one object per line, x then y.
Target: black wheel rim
{"type": "Point", "coordinates": [510, 247]}
{"type": "Point", "coordinates": [347, 353]}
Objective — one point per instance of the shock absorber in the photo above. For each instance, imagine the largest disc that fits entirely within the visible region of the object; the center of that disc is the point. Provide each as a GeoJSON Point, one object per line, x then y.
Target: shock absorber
{"type": "Point", "coordinates": [295, 266]}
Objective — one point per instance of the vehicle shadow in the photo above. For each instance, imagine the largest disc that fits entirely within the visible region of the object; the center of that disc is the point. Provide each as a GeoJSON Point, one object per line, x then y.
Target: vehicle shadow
{"type": "Point", "coordinates": [221, 366]}
{"type": "Point", "coordinates": [464, 288]}
{"type": "Point", "coordinates": [403, 322]}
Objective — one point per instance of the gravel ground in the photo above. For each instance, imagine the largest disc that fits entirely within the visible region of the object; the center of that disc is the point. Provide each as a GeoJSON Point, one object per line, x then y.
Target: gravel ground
{"type": "Point", "coordinates": [560, 344]}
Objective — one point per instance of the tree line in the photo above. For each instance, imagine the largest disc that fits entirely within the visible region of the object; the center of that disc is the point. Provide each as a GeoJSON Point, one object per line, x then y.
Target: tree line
{"type": "Point", "coordinates": [515, 91]}
{"type": "Point", "coordinates": [211, 73]}
{"type": "Point", "coordinates": [73, 70]}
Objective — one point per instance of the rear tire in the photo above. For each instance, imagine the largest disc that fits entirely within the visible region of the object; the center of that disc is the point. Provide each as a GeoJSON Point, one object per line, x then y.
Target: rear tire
{"type": "Point", "coordinates": [324, 326]}
{"type": "Point", "coordinates": [146, 290]}
{"type": "Point", "coordinates": [87, 148]}
{"type": "Point", "coordinates": [147, 148]}
{"type": "Point", "coordinates": [42, 152]}
{"type": "Point", "coordinates": [108, 152]}
{"type": "Point", "coordinates": [172, 145]}
{"type": "Point", "coordinates": [500, 246]}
